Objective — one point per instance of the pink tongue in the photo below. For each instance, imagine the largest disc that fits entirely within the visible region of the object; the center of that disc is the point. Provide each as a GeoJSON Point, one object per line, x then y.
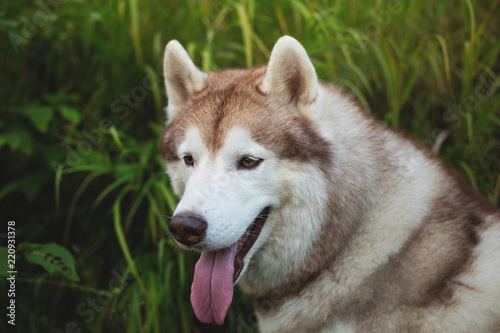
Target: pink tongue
{"type": "Point", "coordinates": [212, 290]}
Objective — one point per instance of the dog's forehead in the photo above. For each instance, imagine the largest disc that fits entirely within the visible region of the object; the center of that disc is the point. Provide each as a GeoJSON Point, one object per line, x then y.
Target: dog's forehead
{"type": "Point", "coordinates": [229, 99]}
{"type": "Point", "coordinates": [239, 79]}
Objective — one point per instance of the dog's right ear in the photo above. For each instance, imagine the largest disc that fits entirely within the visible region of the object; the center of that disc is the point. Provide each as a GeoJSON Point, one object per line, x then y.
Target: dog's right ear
{"type": "Point", "coordinates": [182, 78]}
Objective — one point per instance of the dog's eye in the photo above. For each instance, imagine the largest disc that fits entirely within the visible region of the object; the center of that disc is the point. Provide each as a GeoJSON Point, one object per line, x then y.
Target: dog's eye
{"type": "Point", "coordinates": [249, 163]}
{"type": "Point", "coordinates": [188, 160]}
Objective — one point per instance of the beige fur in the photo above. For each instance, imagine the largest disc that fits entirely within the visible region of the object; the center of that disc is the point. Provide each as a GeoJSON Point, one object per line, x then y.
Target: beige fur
{"type": "Point", "coordinates": [367, 232]}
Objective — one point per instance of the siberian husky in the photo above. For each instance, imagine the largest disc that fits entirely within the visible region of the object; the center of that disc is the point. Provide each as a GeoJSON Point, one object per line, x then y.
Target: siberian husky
{"type": "Point", "coordinates": [325, 218]}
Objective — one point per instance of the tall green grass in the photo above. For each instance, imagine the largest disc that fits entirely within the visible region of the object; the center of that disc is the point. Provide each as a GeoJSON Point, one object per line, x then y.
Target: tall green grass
{"type": "Point", "coordinates": [99, 188]}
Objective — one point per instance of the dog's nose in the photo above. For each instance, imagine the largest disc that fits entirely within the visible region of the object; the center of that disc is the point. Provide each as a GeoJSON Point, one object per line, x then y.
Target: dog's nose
{"type": "Point", "coordinates": [188, 229]}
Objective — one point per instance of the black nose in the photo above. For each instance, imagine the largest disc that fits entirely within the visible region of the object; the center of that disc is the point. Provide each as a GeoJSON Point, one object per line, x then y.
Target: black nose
{"type": "Point", "coordinates": [188, 229]}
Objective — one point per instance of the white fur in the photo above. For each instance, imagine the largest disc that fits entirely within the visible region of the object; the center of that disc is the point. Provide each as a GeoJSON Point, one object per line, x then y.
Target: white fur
{"type": "Point", "coordinates": [229, 199]}
{"type": "Point", "coordinates": [302, 209]}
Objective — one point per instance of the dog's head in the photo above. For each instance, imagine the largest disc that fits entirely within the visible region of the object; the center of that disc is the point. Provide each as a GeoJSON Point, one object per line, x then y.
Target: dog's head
{"type": "Point", "coordinates": [232, 141]}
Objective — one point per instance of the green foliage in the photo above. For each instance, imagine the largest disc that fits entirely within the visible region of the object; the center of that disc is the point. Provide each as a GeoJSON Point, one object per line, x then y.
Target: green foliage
{"type": "Point", "coordinates": [82, 109]}
{"type": "Point", "coordinates": [53, 257]}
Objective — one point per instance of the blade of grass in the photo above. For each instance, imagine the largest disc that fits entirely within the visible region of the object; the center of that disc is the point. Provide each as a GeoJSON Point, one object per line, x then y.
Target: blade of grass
{"type": "Point", "coordinates": [168, 195]}
{"type": "Point", "coordinates": [470, 127]}
{"type": "Point", "coordinates": [104, 193]}
{"type": "Point", "coordinates": [116, 137]}
{"type": "Point", "coordinates": [281, 20]}
{"type": "Point", "coordinates": [156, 90]}
{"type": "Point", "coordinates": [124, 246]}
{"type": "Point", "coordinates": [302, 9]}
{"type": "Point", "coordinates": [496, 120]}
{"type": "Point", "coordinates": [74, 201]}
{"type": "Point", "coordinates": [221, 16]}
{"type": "Point", "coordinates": [358, 94]}
{"type": "Point", "coordinates": [137, 201]}
{"type": "Point", "coordinates": [472, 19]}
{"type": "Point", "coordinates": [57, 185]}
{"type": "Point", "coordinates": [470, 174]}
{"type": "Point", "coordinates": [483, 24]}
{"type": "Point", "coordinates": [246, 30]}
{"type": "Point", "coordinates": [446, 57]}
{"type": "Point", "coordinates": [154, 207]}
{"type": "Point", "coordinates": [135, 30]}
{"type": "Point", "coordinates": [261, 46]}
{"type": "Point", "coordinates": [182, 280]}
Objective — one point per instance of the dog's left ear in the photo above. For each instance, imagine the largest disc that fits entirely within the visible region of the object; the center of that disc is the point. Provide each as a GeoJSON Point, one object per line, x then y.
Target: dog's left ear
{"type": "Point", "coordinates": [182, 77]}
{"type": "Point", "coordinates": [291, 78]}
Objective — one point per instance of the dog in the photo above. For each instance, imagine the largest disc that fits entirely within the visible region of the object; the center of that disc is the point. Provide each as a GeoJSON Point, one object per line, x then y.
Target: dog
{"type": "Point", "coordinates": [326, 219]}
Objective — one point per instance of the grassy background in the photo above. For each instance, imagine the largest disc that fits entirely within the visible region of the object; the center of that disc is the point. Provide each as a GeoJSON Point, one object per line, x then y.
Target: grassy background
{"type": "Point", "coordinates": [82, 108]}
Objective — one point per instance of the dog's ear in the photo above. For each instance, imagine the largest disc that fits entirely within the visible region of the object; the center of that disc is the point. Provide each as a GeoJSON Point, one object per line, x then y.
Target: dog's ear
{"type": "Point", "coordinates": [182, 78]}
{"type": "Point", "coordinates": [290, 76]}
